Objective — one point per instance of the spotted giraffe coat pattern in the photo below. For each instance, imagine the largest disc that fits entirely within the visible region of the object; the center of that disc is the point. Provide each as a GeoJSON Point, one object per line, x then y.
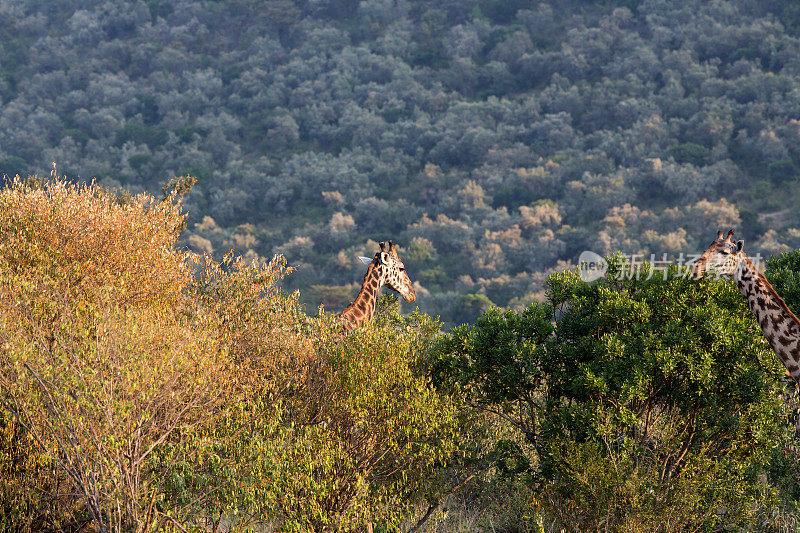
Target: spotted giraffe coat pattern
{"type": "Point", "coordinates": [779, 325]}
{"type": "Point", "coordinates": [385, 268]}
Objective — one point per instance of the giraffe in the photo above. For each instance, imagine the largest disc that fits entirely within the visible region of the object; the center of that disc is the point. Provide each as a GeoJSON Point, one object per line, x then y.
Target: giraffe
{"type": "Point", "coordinates": [385, 268]}
{"type": "Point", "coordinates": [779, 325]}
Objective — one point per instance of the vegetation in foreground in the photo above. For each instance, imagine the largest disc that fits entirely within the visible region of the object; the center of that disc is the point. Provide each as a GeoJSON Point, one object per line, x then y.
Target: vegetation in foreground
{"type": "Point", "coordinates": [636, 398]}
{"type": "Point", "coordinates": [145, 388]}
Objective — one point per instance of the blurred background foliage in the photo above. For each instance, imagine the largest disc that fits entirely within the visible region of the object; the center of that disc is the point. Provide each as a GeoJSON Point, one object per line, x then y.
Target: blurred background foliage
{"type": "Point", "coordinates": [494, 141]}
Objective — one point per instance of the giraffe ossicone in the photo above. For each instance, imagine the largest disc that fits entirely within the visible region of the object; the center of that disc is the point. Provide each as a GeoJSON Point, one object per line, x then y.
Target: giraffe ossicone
{"type": "Point", "coordinates": [779, 325]}
{"type": "Point", "coordinates": [385, 268]}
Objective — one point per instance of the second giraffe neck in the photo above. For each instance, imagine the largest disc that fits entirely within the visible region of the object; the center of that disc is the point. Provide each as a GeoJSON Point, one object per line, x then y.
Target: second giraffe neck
{"type": "Point", "coordinates": [779, 325]}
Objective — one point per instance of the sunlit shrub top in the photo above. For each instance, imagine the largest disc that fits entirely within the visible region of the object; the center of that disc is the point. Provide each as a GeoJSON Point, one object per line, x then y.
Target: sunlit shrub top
{"type": "Point", "coordinates": [87, 240]}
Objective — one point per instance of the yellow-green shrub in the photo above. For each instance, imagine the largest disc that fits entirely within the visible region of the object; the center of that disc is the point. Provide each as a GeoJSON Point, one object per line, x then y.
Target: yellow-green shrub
{"type": "Point", "coordinates": [98, 363]}
{"type": "Point", "coordinates": [146, 388]}
{"type": "Point", "coordinates": [321, 431]}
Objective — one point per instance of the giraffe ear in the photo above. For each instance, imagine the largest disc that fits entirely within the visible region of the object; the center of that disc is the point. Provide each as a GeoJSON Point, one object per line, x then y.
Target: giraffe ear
{"type": "Point", "coordinates": [384, 258]}
{"type": "Point", "coordinates": [739, 246]}
{"type": "Point", "coordinates": [365, 260]}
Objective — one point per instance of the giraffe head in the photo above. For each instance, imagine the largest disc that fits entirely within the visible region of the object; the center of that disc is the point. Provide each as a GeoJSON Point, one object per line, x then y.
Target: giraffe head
{"type": "Point", "coordinates": [393, 271]}
{"type": "Point", "coordinates": [722, 256]}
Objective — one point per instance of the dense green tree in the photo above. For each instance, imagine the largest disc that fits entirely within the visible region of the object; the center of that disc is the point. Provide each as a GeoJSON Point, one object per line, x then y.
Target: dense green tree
{"type": "Point", "coordinates": [651, 400]}
{"type": "Point", "coordinates": [783, 272]}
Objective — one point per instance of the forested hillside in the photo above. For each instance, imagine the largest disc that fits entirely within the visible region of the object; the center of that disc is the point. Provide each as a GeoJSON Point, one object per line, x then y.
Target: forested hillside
{"type": "Point", "coordinates": [493, 140]}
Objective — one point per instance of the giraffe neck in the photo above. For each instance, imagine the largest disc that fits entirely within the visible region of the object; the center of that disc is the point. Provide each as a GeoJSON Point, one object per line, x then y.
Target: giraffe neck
{"type": "Point", "coordinates": [363, 307]}
{"type": "Point", "coordinates": [779, 325]}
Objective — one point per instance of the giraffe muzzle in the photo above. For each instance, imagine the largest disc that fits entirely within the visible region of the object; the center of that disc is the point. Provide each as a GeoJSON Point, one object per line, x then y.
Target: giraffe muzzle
{"type": "Point", "coordinates": [410, 295]}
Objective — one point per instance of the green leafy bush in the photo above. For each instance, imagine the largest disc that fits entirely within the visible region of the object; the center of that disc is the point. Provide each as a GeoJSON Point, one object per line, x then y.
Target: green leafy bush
{"type": "Point", "coordinates": [652, 402]}
{"type": "Point", "coordinates": [783, 272]}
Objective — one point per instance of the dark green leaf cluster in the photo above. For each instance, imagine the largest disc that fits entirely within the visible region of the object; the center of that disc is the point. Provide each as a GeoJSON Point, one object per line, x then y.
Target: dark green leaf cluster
{"type": "Point", "coordinates": [642, 395]}
{"type": "Point", "coordinates": [783, 272]}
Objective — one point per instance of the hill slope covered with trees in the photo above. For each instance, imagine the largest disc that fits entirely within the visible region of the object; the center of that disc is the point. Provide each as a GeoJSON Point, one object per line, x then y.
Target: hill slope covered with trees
{"type": "Point", "coordinates": [493, 140]}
